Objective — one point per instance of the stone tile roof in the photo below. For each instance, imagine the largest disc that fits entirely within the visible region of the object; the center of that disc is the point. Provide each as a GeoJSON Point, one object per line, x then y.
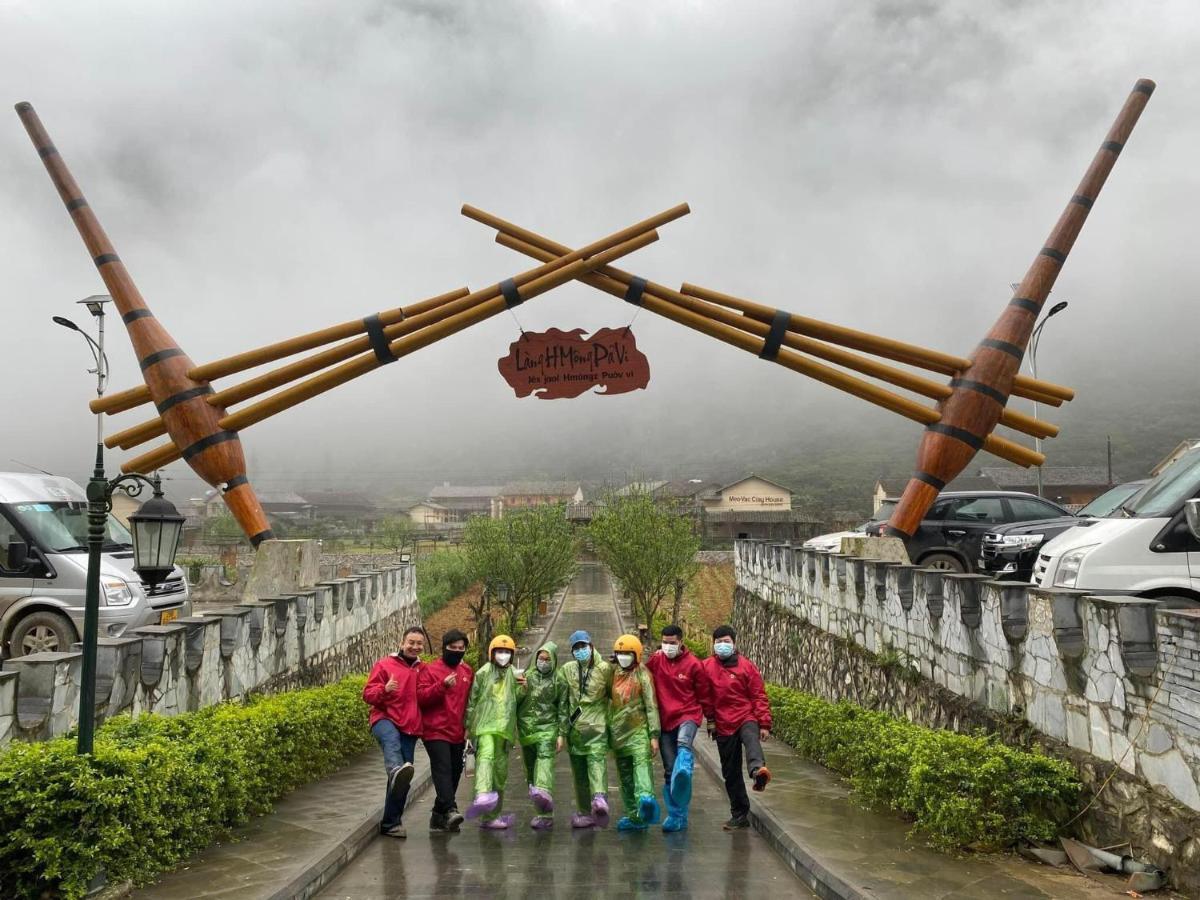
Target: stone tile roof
{"type": "Point", "coordinates": [1010, 477]}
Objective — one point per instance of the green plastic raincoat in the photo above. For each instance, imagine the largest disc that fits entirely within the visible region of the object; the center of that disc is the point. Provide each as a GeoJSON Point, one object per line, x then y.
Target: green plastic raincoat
{"type": "Point", "coordinates": [492, 725]}
{"type": "Point", "coordinates": [583, 718]}
{"type": "Point", "coordinates": [632, 722]}
{"type": "Point", "coordinates": [537, 719]}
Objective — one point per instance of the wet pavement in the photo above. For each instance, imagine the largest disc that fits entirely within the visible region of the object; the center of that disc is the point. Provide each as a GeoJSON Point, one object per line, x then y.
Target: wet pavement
{"type": "Point", "coordinates": [701, 862]}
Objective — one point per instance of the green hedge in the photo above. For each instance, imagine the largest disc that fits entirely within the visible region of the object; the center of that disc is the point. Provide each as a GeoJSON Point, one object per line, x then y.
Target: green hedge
{"type": "Point", "coordinates": [441, 576]}
{"type": "Point", "coordinates": [962, 791]}
{"type": "Point", "coordinates": [158, 789]}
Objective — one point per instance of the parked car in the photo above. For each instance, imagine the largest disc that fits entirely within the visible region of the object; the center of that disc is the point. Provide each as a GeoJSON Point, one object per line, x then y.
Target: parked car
{"type": "Point", "coordinates": [951, 535]}
{"type": "Point", "coordinates": [1149, 548]}
{"type": "Point", "coordinates": [832, 542]}
{"type": "Point", "coordinates": [1010, 551]}
{"type": "Point", "coordinates": [43, 570]}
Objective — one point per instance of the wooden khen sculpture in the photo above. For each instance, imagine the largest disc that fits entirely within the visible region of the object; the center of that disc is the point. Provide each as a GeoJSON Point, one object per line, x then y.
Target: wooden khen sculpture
{"type": "Point", "coordinates": [204, 433]}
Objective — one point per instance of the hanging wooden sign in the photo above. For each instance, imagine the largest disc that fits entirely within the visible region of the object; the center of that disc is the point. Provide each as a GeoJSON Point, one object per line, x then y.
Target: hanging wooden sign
{"type": "Point", "coordinates": [554, 364]}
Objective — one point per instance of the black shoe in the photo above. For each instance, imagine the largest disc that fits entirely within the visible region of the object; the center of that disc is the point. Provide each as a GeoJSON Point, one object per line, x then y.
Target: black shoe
{"type": "Point", "coordinates": [454, 820]}
{"type": "Point", "coordinates": [737, 822]}
{"type": "Point", "coordinates": [437, 824]}
{"type": "Point", "coordinates": [400, 778]}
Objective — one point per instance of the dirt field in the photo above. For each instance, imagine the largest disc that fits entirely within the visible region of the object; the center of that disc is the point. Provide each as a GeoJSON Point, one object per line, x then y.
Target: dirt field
{"type": "Point", "coordinates": [455, 614]}
{"type": "Point", "coordinates": [709, 598]}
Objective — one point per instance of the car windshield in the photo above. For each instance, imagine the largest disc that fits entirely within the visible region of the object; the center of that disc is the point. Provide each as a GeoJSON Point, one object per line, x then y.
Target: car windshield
{"type": "Point", "coordinates": [62, 527]}
{"type": "Point", "coordinates": [1110, 501]}
{"type": "Point", "coordinates": [885, 511]}
{"type": "Point", "coordinates": [1166, 493]}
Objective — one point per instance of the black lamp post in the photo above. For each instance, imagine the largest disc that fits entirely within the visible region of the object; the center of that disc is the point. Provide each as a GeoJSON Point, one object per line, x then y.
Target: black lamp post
{"type": "Point", "coordinates": [156, 527]}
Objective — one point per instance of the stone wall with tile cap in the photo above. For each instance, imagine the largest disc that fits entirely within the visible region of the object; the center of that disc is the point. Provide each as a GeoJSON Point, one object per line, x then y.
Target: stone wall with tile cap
{"type": "Point", "coordinates": [313, 636]}
{"type": "Point", "coordinates": [1111, 683]}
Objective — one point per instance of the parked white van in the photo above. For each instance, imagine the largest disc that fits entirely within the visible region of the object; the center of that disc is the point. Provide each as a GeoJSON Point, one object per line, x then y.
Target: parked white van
{"type": "Point", "coordinates": [1149, 548]}
{"type": "Point", "coordinates": [43, 570]}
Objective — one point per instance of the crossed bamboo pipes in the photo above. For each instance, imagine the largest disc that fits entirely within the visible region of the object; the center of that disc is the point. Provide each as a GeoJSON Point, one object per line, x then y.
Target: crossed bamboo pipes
{"type": "Point", "coordinates": [741, 323]}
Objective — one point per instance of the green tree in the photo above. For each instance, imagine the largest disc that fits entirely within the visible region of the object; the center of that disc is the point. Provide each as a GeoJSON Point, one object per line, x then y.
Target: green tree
{"type": "Point", "coordinates": [531, 551]}
{"type": "Point", "coordinates": [396, 532]}
{"type": "Point", "coordinates": [222, 529]}
{"type": "Point", "coordinates": [649, 546]}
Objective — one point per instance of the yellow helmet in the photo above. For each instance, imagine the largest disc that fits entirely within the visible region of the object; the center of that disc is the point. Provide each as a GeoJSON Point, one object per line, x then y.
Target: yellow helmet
{"type": "Point", "coordinates": [628, 643]}
{"type": "Point", "coordinates": [502, 642]}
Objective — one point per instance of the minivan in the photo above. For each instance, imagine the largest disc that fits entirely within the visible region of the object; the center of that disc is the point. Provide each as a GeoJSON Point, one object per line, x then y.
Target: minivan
{"type": "Point", "coordinates": [43, 570]}
{"type": "Point", "coordinates": [1150, 547]}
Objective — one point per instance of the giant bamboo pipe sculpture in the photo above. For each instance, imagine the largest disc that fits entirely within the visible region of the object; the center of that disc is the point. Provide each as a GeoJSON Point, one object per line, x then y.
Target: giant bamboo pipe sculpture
{"type": "Point", "coordinates": [980, 392]}
{"type": "Point", "coordinates": [214, 453]}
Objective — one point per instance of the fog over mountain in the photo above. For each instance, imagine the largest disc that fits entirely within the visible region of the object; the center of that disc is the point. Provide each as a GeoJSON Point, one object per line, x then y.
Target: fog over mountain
{"type": "Point", "coordinates": [270, 168]}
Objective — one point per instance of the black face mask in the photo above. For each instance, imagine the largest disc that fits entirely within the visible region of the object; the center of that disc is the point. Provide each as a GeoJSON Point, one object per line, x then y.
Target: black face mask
{"type": "Point", "coordinates": [453, 657]}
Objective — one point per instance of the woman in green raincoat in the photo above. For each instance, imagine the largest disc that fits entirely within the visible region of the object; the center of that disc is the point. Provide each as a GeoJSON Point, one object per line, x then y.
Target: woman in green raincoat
{"type": "Point", "coordinates": [633, 729]}
{"type": "Point", "coordinates": [492, 725]}
{"type": "Point", "coordinates": [537, 723]}
{"type": "Point", "coordinates": [583, 719]}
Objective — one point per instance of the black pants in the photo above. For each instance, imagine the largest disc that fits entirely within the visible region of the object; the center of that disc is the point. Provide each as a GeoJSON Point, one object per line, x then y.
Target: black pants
{"type": "Point", "coordinates": [730, 748]}
{"type": "Point", "coordinates": [445, 768]}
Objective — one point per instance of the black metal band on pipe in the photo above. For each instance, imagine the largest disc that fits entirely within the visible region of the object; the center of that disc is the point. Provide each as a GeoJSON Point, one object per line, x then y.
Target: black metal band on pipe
{"type": "Point", "coordinates": [1026, 304]}
{"type": "Point", "coordinates": [134, 314]}
{"type": "Point", "coordinates": [959, 434]}
{"type": "Point", "coordinates": [932, 480]}
{"type": "Point", "coordinates": [379, 341]}
{"type": "Point", "coordinates": [158, 357]}
{"type": "Point", "coordinates": [637, 287]}
{"type": "Point", "coordinates": [235, 482]}
{"type": "Point", "coordinates": [512, 297]}
{"type": "Point", "coordinates": [211, 441]}
{"type": "Point", "coordinates": [183, 397]}
{"type": "Point", "coordinates": [980, 388]}
{"type": "Point", "coordinates": [267, 535]}
{"type": "Point", "coordinates": [774, 340]}
{"type": "Point", "coordinates": [1003, 347]}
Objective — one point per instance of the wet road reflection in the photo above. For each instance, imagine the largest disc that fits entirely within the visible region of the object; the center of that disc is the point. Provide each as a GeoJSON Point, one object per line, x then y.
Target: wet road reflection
{"type": "Point", "coordinates": [701, 862]}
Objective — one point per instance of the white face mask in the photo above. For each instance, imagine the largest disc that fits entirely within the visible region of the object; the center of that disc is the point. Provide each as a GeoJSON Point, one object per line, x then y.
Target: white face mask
{"type": "Point", "coordinates": [672, 650]}
{"type": "Point", "coordinates": [624, 660]}
{"type": "Point", "coordinates": [503, 657]}
{"type": "Point", "coordinates": [543, 666]}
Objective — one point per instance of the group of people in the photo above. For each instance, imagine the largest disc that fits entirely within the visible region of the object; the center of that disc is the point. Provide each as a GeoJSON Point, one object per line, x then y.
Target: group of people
{"type": "Point", "coordinates": [589, 706]}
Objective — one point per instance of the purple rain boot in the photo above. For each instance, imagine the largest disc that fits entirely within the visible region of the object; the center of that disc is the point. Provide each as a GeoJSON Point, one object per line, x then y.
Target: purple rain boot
{"type": "Point", "coordinates": [541, 823]}
{"type": "Point", "coordinates": [483, 803]}
{"type": "Point", "coordinates": [579, 820]}
{"type": "Point", "coordinates": [600, 810]}
{"type": "Point", "coordinates": [541, 799]}
{"type": "Point", "coordinates": [500, 823]}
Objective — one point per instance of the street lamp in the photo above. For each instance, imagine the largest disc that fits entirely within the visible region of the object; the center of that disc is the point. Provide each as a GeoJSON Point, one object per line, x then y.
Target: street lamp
{"type": "Point", "coordinates": [1033, 347]}
{"type": "Point", "coordinates": [156, 527]}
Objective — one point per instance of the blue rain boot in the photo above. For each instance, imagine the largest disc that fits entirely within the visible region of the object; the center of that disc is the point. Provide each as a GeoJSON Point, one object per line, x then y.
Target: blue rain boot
{"type": "Point", "coordinates": [627, 824]}
{"type": "Point", "coordinates": [648, 809]}
{"type": "Point", "coordinates": [676, 819]}
{"type": "Point", "coordinates": [681, 779]}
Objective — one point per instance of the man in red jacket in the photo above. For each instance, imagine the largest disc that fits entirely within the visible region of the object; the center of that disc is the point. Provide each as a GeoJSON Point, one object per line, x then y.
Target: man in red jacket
{"type": "Point", "coordinates": [739, 708]}
{"type": "Point", "coordinates": [391, 690]}
{"type": "Point", "coordinates": [442, 690]}
{"type": "Point", "coordinates": [682, 691]}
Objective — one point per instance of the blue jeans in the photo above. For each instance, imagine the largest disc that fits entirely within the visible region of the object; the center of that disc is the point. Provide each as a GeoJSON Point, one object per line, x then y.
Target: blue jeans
{"type": "Point", "coordinates": [669, 743]}
{"type": "Point", "coordinates": [398, 749]}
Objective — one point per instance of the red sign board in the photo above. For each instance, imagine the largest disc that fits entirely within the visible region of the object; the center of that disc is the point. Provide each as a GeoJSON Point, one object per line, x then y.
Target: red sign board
{"type": "Point", "coordinates": [554, 364]}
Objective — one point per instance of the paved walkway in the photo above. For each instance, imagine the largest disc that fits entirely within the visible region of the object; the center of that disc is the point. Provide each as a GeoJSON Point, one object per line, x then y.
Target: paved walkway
{"type": "Point", "coordinates": [701, 862]}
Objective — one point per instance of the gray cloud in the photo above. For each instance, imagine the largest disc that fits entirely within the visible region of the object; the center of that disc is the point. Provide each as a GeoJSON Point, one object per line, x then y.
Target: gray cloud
{"type": "Point", "coordinates": [271, 168]}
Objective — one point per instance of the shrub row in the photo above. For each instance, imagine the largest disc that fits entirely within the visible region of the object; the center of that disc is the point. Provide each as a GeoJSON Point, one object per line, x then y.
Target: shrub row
{"type": "Point", "coordinates": [961, 791]}
{"type": "Point", "coordinates": [157, 789]}
{"type": "Point", "coordinates": [441, 576]}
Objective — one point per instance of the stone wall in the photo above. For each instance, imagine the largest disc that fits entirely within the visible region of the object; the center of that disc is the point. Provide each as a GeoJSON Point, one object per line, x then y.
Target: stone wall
{"type": "Point", "coordinates": [1110, 683]}
{"type": "Point", "coordinates": [312, 636]}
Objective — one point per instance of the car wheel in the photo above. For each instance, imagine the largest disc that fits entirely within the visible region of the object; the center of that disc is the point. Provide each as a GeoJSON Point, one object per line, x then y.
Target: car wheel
{"type": "Point", "coordinates": [945, 562]}
{"type": "Point", "coordinates": [41, 632]}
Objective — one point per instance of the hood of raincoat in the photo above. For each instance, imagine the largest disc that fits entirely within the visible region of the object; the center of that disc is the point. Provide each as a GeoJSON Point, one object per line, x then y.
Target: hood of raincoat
{"type": "Point", "coordinates": [537, 703]}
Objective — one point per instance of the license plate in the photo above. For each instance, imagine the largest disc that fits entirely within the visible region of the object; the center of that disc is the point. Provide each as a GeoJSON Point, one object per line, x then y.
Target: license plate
{"type": "Point", "coordinates": [168, 616]}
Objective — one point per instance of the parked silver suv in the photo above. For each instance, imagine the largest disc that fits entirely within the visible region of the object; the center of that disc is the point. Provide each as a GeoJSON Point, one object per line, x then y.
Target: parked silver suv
{"type": "Point", "coordinates": [43, 570]}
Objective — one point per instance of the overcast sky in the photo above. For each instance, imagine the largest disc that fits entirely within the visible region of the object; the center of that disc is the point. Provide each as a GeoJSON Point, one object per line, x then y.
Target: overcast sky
{"type": "Point", "coordinates": [270, 168]}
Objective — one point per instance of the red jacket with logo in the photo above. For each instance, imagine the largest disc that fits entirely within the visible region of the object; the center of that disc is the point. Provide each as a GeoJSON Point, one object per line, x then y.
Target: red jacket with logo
{"type": "Point", "coordinates": [398, 706]}
{"type": "Point", "coordinates": [443, 709]}
{"type": "Point", "coordinates": [680, 686]}
{"type": "Point", "coordinates": [736, 695]}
